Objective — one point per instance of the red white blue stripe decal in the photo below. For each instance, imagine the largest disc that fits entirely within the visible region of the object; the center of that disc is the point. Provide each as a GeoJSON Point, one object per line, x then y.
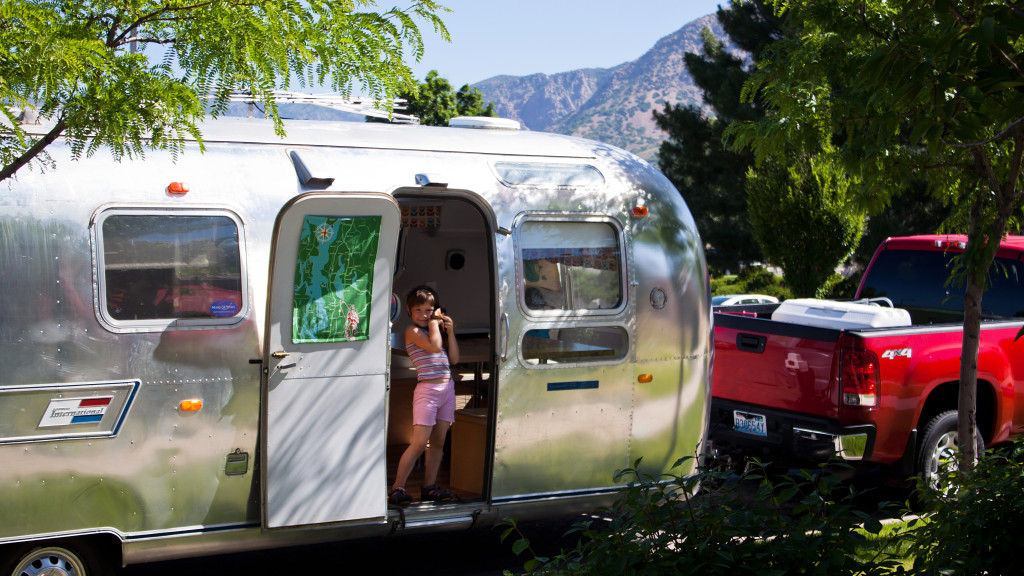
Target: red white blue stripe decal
{"type": "Point", "coordinates": [71, 411]}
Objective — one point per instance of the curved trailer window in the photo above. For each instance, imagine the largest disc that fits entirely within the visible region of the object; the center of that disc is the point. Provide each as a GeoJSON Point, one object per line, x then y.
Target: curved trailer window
{"type": "Point", "coordinates": [572, 270]}
{"type": "Point", "coordinates": [570, 265]}
{"type": "Point", "coordinates": [161, 268]}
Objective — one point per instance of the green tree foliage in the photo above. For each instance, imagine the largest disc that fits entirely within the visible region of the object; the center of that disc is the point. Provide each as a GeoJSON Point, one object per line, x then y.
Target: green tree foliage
{"type": "Point", "coordinates": [435, 102]}
{"type": "Point", "coordinates": [913, 87]}
{"type": "Point", "coordinates": [751, 280]}
{"type": "Point", "coordinates": [802, 218]}
{"type": "Point", "coordinates": [708, 175]}
{"type": "Point", "coordinates": [73, 61]}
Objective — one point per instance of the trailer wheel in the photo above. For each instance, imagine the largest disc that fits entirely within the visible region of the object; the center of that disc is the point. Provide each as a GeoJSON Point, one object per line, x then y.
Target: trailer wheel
{"type": "Point", "coordinates": [59, 560]}
{"type": "Point", "coordinates": [937, 453]}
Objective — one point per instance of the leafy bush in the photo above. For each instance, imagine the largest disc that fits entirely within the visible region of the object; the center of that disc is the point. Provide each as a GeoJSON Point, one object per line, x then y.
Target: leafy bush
{"type": "Point", "coordinates": [751, 280]}
{"type": "Point", "coordinates": [974, 521]}
{"type": "Point", "coordinates": [846, 288]}
{"type": "Point", "coordinates": [808, 524]}
{"type": "Point", "coordinates": [802, 525]}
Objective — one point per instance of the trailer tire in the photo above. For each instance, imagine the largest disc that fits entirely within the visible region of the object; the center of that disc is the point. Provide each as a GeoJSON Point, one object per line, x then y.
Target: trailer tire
{"type": "Point", "coordinates": [937, 452]}
{"type": "Point", "coordinates": [57, 559]}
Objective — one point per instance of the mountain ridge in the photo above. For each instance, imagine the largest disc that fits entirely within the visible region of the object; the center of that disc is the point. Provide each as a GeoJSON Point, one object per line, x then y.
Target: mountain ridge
{"type": "Point", "coordinates": [613, 105]}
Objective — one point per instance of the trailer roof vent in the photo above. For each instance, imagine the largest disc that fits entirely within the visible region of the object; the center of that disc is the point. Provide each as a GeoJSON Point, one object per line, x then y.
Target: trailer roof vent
{"type": "Point", "coordinates": [484, 122]}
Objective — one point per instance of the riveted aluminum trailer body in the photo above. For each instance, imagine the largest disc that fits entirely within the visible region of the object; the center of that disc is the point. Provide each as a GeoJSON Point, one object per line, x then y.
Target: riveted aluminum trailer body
{"type": "Point", "coordinates": [204, 356]}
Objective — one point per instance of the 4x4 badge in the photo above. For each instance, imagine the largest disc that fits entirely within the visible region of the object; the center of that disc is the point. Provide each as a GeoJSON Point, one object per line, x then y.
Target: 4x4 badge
{"type": "Point", "coordinates": [896, 353]}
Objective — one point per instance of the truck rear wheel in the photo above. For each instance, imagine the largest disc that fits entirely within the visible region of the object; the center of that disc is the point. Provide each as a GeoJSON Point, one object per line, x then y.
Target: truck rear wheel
{"type": "Point", "coordinates": [939, 448]}
{"type": "Point", "coordinates": [55, 560]}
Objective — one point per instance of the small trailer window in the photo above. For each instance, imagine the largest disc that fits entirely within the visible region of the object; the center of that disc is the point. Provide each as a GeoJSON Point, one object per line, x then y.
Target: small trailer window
{"type": "Point", "coordinates": [570, 265]}
{"type": "Point", "coordinates": [158, 268]}
{"type": "Point", "coordinates": [548, 175]}
{"type": "Point", "coordinates": [559, 345]}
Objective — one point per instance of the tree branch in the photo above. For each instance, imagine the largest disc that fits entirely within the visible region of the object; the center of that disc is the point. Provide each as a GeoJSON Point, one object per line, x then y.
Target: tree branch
{"type": "Point", "coordinates": [1010, 197]}
{"type": "Point", "coordinates": [33, 151]}
{"type": "Point", "coordinates": [1014, 8]}
{"type": "Point", "coordinates": [983, 142]}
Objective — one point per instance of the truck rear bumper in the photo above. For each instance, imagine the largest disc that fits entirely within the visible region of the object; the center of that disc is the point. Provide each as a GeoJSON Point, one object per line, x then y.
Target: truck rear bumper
{"type": "Point", "coordinates": [846, 445]}
{"type": "Point", "coordinates": [786, 436]}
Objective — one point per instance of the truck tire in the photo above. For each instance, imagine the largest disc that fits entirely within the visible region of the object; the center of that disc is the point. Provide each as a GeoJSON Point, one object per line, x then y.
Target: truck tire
{"type": "Point", "coordinates": [57, 559]}
{"type": "Point", "coordinates": [937, 452]}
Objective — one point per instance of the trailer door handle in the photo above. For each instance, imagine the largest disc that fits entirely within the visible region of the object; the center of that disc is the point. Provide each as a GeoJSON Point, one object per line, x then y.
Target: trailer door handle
{"type": "Point", "coordinates": [751, 343]}
{"type": "Point", "coordinates": [504, 336]}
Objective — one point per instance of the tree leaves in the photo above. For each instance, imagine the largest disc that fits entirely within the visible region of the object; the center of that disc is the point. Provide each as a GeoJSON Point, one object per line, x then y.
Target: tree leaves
{"type": "Point", "coordinates": [435, 103]}
{"type": "Point", "coordinates": [921, 88]}
{"type": "Point", "coordinates": [75, 62]}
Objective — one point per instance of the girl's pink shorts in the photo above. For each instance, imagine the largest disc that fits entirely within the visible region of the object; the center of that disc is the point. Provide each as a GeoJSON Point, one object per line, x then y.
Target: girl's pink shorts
{"type": "Point", "coordinates": [433, 402]}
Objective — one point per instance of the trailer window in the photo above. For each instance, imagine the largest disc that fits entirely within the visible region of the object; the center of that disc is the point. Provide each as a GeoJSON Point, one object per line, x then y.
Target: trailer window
{"type": "Point", "coordinates": [570, 266]}
{"type": "Point", "coordinates": [548, 175]}
{"type": "Point", "coordinates": [559, 345]}
{"type": "Point", "coordinates": [161, 267]}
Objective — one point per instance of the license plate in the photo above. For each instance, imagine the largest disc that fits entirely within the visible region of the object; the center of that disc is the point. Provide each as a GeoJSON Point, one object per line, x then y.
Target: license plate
{"type": "Point", "coordinates": [749, 423]}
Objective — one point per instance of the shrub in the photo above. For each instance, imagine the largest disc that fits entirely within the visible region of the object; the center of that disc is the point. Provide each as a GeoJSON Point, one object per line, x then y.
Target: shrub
{"type": "Point", "coordinates": [973, 521]}
{"type": "Point", "coordinates": [751, 280]}
{"type": "Point", "coordinates": [802, 525]}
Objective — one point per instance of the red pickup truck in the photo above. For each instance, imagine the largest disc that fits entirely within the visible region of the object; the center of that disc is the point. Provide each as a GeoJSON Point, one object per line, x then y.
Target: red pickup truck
{"type": "Point", "coordinates": [804, 381]}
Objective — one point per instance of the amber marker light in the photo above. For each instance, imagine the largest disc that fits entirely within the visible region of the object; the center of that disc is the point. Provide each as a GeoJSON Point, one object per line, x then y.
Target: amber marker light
{"type": "Point", "coordinates": [639, 211]}
{"type": "Point", "coordinates": [645, 378]}
{"type": "Point", "coordinates": [191, 405]}
{"type": "Point", "coordinates": [177, 188]}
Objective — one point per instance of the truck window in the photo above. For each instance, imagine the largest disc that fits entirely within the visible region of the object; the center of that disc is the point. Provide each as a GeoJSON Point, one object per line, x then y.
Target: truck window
{"type": "Point", "coordinates": [158, 267]}
{"type": "Point", "coordinates": [917, 280]}
{"type": "Point", "coordinates": [570, 266]}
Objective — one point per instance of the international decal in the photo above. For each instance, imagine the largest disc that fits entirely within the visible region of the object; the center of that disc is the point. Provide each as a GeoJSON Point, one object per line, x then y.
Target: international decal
{"type": "Point", "coordinates": [71, 411]}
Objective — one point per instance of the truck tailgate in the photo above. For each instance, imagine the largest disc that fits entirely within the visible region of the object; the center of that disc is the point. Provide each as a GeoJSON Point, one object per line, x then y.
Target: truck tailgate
{"type": "Point", "coordinates": [770, 363]}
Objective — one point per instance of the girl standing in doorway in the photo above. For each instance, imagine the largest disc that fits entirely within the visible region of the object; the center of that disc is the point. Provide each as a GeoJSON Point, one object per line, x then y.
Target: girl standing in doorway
{"type": "Point", "coordinates": [433, 405]}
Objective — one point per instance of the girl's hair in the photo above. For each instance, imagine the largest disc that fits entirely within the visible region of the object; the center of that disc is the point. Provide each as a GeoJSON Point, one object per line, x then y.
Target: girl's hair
{"type": "Point", "coordinates": [422, 294]}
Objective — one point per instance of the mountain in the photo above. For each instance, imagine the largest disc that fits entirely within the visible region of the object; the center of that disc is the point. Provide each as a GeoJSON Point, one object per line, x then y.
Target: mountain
{"type": "Point", "coordinates": [613, 105]}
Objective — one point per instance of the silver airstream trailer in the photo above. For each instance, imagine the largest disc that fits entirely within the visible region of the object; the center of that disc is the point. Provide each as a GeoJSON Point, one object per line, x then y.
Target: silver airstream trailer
{"type": "Point", "coordinates": [203, 355]}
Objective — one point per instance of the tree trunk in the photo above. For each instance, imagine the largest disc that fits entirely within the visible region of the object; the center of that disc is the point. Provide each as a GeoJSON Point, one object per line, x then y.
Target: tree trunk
{"type": "Point", "coordinates": [967, 423]}
{"type": "Point", "coordinates": [983, 242]}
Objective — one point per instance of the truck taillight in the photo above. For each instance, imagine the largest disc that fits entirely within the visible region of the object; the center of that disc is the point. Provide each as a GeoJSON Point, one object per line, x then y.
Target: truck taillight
{"type": "Point", "coordinates": [860, 378]}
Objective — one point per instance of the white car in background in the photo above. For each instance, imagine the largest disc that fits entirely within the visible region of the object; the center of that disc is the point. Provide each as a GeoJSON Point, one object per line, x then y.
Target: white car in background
{"type": "Point", "coordinates": [740, 299]}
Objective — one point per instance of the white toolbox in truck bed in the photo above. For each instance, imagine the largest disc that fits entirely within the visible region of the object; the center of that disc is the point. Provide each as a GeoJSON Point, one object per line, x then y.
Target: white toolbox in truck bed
{"type": "Point", "coordinates": [844, 315]}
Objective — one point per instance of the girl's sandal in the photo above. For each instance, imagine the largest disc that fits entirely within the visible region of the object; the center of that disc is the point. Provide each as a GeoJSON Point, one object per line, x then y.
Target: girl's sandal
{"type": "Point", "coordinates": [399, 496]}
{"type": "Point", "coordinates": [434, 494]}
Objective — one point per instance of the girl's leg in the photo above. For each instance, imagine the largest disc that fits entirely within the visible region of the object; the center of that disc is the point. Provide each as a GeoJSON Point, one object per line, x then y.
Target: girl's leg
{"type": "Point", "coordinates": [420, 436]}
{"type": "Point", "coordinates": [435, 452]}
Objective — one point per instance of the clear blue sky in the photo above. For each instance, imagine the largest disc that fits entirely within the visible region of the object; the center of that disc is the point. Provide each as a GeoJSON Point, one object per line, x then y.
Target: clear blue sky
{"type": "Point", "coordinates": [520, 37]}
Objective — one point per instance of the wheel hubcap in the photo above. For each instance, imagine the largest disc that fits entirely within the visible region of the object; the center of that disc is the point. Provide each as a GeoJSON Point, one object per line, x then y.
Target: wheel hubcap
{"type": "Point", "coordinates": [50, 562]}
{"type": "Point", "coordinates": [944, 457]}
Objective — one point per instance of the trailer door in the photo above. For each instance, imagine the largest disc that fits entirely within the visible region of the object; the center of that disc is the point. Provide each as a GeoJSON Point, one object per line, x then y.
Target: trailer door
{"type": "Point", "coordinates": [326, 360]}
